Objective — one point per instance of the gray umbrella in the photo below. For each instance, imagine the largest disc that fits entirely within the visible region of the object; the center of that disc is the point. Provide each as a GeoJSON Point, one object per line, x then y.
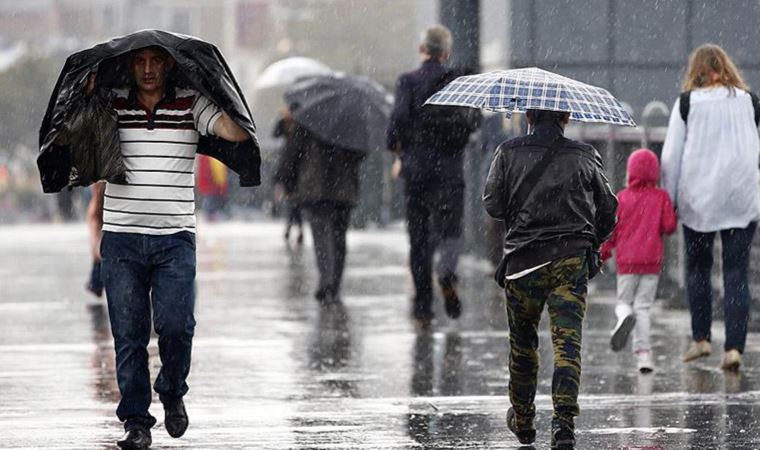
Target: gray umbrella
{"type": "Point", "coordinates": [347, 111]}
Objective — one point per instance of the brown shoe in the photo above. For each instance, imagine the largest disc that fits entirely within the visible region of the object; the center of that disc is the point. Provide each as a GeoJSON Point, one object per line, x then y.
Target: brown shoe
{"type": "Point", "coordinates": [731, 360]}
{"type": "Point", "coordinates": [697, 349]}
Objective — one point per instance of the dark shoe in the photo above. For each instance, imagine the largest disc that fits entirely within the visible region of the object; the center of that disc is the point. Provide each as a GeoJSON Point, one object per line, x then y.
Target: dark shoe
{"type": "Point", "coordinates": [450, 296]}
{"type": "Point", "coordinates": [326, 297]}
{"type": "Point", "coordinates": [563, 436]}
{"type": "Point", "coordinates": [423, 325]}
{"type": "Point", "coordinates": [175, 418]}
{"type": "Point", "coordinates": [526, 435]}
{"type": "Point", "coordinates": [135, 439]}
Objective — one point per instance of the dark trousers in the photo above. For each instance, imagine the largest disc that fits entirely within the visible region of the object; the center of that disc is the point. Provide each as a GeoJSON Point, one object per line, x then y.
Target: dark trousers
{"type": "Point", "coordinates": [329, 225]}
{"type": "Point", "coordinates": [140, 273]}
{"type": "Point", "coordinates": [561, 286]}
{"type": "Point", "coordinates": [736, 244]}
{"type": "Point", "coordinates": [294, 216]}
{"type": "Point", "coordinates": [434, 215]}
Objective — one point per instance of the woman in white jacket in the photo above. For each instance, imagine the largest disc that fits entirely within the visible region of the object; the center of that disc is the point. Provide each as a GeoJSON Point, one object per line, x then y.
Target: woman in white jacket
{"type": "Point", "coordinates": [710, 169]}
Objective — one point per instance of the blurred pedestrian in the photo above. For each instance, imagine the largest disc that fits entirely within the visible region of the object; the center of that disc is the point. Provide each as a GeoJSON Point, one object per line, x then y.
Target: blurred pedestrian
{"type": "Point", "coordinates": [286, 175]}
{"type": "Point", "coordinates": [645, 214]}
{"type": "Point", "coordinates": [325, 183]}
{"type": "Point", "coordinates": [710, 170]}
{"type": "Point", "coordinates": [94, 227]}
{"type": "Point", "coordinates": [557, 206]}
{"type": "Point", "coordinates": [430, 143]}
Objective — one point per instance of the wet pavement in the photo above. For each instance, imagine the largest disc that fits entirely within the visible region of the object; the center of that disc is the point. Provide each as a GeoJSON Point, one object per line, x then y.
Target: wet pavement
{"type": "Point", "coordinates": [272, 370]}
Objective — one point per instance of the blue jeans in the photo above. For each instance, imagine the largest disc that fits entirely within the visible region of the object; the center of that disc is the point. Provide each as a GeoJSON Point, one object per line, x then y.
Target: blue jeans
{"type": "Point", "coordinates": [736, 244]}
{"type": "Point", "coordinates": [139, 272]}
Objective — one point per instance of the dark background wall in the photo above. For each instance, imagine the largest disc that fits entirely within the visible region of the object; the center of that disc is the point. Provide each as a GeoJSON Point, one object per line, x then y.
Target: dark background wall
{"type": "Point", "coordinates": [637, 49]}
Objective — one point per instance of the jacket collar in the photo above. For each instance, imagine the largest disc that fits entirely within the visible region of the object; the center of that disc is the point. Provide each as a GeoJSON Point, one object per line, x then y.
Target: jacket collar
{"type": "Point", "coordinates": [431, 62]}
{"type": "Point", "coordinates": [547, 130]}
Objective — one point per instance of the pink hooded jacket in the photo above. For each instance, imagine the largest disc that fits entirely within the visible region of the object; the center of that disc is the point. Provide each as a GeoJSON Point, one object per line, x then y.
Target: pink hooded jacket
{"type": "Point", "coordinates": [645, 213]}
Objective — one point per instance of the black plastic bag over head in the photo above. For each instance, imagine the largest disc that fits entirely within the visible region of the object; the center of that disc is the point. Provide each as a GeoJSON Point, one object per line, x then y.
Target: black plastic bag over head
{"type": "Point", "coordinates": [92, 134]}
{"type": "Point", "coordinates": [72, 132]}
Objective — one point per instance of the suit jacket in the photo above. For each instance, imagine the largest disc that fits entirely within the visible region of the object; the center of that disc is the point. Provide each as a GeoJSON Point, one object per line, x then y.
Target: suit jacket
{"type": "Point", "coordinates": [431, 138]}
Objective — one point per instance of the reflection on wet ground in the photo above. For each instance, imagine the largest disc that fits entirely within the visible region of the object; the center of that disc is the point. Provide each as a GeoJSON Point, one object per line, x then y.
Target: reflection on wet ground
{"type": "Point", "coordinates": [272, 370]}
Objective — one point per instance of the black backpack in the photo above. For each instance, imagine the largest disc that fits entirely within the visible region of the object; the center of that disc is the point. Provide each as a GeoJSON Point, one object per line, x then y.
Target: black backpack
{"type": "Point", "coordinates": [446, 126]}
{"type": "Point", "coordinates": [685, 100]}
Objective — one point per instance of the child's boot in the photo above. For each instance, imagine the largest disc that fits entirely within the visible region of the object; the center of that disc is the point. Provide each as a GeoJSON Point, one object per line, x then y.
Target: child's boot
{"type": "Point", "coordinates": [625, 322]}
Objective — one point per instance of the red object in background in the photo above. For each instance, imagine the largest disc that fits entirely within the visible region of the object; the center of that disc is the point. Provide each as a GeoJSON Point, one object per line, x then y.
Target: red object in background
{"type": "Point", "coordinates": [212, 177]}
{"type": "Point", "coordinates": [254, 23]}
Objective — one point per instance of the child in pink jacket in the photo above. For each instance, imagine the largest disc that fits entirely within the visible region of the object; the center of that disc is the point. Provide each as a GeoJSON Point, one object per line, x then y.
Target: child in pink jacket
{"type": "Point", "coordinates": [645, 214]}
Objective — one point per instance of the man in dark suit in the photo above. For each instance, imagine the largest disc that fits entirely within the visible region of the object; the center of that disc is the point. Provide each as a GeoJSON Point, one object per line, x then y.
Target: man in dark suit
{"type": "Point", "coordinates": [430, 143]}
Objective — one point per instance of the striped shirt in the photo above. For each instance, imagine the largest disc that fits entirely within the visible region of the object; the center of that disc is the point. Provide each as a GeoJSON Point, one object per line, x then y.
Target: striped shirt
{"type": "Point", "coordinates": [158, 148]}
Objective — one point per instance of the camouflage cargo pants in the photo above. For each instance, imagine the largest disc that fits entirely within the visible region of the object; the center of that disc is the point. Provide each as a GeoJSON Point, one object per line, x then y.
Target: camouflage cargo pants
{"type": "Point", "coordinates": [562, 286]}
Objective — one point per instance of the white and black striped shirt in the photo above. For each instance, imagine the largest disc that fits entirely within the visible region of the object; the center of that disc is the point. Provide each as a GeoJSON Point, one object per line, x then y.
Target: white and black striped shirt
{"type": "Point", "coordinates": [159, 153]}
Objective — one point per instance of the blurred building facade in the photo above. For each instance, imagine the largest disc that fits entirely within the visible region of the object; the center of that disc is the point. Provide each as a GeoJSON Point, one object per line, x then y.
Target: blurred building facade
{"type": "Point", "coordinates": [637, 49]}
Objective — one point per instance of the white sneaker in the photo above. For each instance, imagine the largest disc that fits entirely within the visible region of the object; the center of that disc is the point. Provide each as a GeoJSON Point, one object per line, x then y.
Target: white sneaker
{"type": "Point", "coordinates": [644, 361]}
{"type": "Point", "coordinates": [623, 328]}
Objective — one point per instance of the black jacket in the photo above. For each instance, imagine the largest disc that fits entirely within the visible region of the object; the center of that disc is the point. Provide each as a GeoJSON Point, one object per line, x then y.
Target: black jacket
{"type": "Point", "coordinates": [314, 171]}
{"type": "Point", "coordinates": [200, 66]}
{"type": "Point", "coordinates": [432, 138]}
{"type": "Point", "coordinates": [571, 209]}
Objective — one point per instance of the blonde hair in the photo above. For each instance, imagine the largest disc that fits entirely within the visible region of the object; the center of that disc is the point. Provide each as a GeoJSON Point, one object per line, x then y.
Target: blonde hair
{"type": "Point", "coordinates": [706, 60]}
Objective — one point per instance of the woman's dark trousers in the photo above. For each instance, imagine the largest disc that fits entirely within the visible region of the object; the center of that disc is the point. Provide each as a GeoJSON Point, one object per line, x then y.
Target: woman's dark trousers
{"type": "Point", "coordinates": [736, 244]}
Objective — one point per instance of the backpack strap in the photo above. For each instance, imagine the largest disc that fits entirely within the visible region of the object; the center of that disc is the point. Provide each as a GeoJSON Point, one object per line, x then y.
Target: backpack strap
{"type": "Point", "coordinates": [756, 107]}
{"type": "Point", "coordinates": [684, 106]}
{"type": "Point", "coordinates": [518, 200]}
{"type": "Point", "coordinates": [530, 181]}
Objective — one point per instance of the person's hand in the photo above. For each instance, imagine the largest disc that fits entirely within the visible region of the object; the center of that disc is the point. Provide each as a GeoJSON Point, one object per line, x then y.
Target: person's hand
{"type": "Point", "coordinates": [279, 193]}
{"type": "Point", "coordinates": [90, 84]}
{"type": "Point", "coordinates": [396, 168]}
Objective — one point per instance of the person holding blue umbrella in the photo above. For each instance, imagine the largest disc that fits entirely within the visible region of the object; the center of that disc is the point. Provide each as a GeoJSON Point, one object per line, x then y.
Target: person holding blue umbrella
{"type": "Point", "coordinates": [557, 208]}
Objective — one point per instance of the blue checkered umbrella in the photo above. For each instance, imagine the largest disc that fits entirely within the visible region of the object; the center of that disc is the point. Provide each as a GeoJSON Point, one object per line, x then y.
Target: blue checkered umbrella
{"type": "Point", "coordinates": [519, 90]}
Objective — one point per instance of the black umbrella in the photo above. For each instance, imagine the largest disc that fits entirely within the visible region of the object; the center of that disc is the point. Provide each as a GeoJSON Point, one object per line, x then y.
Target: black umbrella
{"type": "Point", "coordinates": [347, 111]}
{"type": "Point", "coordinates": [199, 65]}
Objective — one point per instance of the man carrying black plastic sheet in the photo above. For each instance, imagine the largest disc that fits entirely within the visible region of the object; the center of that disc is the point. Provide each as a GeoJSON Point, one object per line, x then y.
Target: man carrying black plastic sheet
{"type": "Point", "coordinates": [148, 244]}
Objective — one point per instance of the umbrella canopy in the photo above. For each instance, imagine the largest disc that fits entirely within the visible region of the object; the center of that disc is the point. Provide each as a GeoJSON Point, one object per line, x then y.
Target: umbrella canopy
{"type": "Point", "coordinates": [347, 111]}
{"type": "Point", "coordinates": [288, 70]}
{"type": "Point", "coordinates": [519, 90]}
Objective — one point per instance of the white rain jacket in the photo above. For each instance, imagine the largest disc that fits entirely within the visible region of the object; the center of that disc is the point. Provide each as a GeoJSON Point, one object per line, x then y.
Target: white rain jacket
{"type": "Point", "coordinates": [710, 167]}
